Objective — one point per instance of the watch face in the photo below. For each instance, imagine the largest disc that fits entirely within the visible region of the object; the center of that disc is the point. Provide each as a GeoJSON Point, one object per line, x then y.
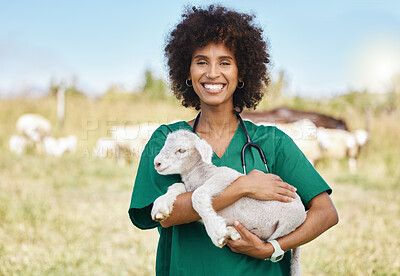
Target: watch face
{"type": "Point", "coordinates": [280, 257]}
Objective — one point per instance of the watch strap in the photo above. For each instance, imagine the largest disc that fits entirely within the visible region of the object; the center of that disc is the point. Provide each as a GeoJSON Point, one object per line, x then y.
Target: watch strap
{"type": "Point", "coordinates": [278, 253]}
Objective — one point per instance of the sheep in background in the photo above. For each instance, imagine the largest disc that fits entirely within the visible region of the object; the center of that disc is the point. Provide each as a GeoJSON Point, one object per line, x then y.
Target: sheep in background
{"type": "Point", "coordinates": [186, 154]}
{"type": "Point", "coordinates": [110, 147]}
{"type": "Point", "coordinates": [338, 144]}
{"type": "Point", "coordinates": [317, 143]}
{"type": "Point", "coordinates": [133, 139]}
{"type": "Point", "coordinates": [18, 144]}
{"type": "Point", "coordinates": [104, 147]}
{"type": "Point", "coordinates": [57, 147]}
{"type": "Point", "coordinates": [34, 130]}
{"type": "Point", "coordinates": [34, 127]}
{"type": "Point", "coordinates": [125, 142]}
{"type": "Point", "coordinates": [304, 134]}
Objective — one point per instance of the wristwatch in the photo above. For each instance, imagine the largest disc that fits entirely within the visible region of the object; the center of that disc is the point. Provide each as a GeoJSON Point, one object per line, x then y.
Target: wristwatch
{"type": "Point", "coordinates": [278, 253]}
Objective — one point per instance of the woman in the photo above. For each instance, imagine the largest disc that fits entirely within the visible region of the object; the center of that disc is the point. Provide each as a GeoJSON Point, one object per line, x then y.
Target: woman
{"type": "Point", "coordinates": [217, 60]}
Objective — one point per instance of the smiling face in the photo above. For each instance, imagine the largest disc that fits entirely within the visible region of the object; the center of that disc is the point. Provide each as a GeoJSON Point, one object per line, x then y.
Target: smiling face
{"type": "Point", "coordinates": [214, 74]}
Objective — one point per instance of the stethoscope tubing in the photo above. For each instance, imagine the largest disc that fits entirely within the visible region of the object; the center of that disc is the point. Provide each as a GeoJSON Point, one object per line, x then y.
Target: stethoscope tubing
{"type": "Point", "coordinates": [249, 143]}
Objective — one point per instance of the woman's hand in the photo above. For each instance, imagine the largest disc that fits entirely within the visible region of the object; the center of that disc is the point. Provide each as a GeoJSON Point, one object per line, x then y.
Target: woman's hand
{"type": "Point", "coordinates": [249, 244]}
{"type": "Point", "coordinates": [267, 186]}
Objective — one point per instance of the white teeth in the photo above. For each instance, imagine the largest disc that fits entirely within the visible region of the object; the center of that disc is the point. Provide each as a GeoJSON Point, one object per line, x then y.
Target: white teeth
{"type": "Point", "coordinates": [213, 86]}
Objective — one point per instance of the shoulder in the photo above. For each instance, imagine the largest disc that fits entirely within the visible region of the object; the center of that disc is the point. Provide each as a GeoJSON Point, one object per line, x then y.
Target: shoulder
{"type": "Point", "coordinates": [163, 130]}
{"type": "Point", "coordinates": [264, 131]}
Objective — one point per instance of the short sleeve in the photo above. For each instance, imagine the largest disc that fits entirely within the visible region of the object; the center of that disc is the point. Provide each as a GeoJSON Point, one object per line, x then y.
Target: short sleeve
{"type": "Point", "coordinates": [294, 168]}
{"type": "Point", "coordinates": [149, 185]}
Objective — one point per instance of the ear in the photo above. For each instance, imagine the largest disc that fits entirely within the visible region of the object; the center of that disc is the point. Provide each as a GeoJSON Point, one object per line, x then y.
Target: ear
{"type": "Point", "coordinates": [205, 150]}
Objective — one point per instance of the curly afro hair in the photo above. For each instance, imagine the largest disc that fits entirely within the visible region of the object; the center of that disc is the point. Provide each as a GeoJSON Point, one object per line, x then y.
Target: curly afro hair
{"type": "Point", "coordinates": [238, 33]}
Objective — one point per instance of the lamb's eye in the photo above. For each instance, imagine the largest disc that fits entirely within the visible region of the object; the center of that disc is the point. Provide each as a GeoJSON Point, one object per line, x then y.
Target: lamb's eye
{"type": "Point", "coordinates": [181, 151]}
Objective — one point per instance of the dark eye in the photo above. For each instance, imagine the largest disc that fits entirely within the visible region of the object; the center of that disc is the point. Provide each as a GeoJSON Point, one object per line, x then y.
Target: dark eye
{"type": "Point", "coordinates": [180, 151]}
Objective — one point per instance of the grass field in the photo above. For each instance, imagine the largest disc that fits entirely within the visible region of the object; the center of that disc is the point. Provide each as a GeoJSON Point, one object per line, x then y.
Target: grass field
{"type": "Point", "coordinates": [68, 215]}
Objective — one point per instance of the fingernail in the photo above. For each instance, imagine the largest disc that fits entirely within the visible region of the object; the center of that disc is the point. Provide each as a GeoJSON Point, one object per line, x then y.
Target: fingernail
{"type": "Point", "coordinates": [236, 223]}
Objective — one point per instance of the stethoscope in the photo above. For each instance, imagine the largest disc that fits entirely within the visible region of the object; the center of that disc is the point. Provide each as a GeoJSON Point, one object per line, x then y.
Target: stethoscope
{"type": "Point", "coordinates": [249, 143]}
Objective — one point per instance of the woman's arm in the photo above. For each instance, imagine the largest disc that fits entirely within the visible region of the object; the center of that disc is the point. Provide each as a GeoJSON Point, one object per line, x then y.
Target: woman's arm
{"type": "Point", "coordinates": [256, 185]}
{"type": "Point", "coordinates": [321, 216]}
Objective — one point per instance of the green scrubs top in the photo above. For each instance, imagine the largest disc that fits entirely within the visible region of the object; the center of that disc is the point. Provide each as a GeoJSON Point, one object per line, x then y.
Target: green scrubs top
{"type": "Point", "coordinates": [186, 249]}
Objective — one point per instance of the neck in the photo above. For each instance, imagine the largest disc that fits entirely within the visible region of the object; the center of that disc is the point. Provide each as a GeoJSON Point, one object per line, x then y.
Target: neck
{"type": "Point", "coordinates": [216, 120]}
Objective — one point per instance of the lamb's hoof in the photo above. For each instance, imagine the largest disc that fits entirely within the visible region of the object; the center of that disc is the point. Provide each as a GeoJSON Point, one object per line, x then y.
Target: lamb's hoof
{"type": "Point", "coordinates": [159, 217]}
{"type": "Point", "coordinates": [222, 242]}
{"type": "Point", "coordinates": [233, 234]}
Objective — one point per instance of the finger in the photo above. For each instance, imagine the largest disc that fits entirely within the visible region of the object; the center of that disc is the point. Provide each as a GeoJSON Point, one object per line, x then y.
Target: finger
{"type": "Point", "coordinates": [287, 193]}
{"type": "Point", "coordinates": [232, 248]}
{"type": "Point", "coordinates": [241, 229]}
{"type": "Point", "coordinates": [290, 187]}
{"type": "Point", "coordinates": [283, 199]}
{"type": "Point", "coordinates": [287, 186]}
{"type": "Point", "coordinates": [233, 244]}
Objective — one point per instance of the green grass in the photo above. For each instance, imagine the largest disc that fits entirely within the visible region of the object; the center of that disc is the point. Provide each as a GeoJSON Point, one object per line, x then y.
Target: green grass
{"type": "Point", "coordinates": [68, 215]}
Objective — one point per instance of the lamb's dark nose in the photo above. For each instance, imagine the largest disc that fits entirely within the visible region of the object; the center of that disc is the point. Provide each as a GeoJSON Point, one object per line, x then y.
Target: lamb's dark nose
{"type": "Point", "coordinates": [157, 165]}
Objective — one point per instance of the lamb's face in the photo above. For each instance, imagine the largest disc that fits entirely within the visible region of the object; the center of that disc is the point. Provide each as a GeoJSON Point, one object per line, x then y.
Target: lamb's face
{"type": "Point", "coordinates": [178, 152]}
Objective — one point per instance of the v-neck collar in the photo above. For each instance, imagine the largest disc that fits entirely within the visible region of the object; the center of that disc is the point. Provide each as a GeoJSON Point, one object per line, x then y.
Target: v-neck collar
{"type": "Point", "coordinates": [215, 156]}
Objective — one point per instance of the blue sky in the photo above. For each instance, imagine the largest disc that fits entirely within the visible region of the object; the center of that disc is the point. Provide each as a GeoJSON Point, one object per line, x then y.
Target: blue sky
{"type": "Point", "coordinates": [325, 47]}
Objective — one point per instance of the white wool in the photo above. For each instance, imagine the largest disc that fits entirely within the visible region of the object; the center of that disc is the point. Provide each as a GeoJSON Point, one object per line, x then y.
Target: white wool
{"type": "Point", "coordinates": [33, 126]}
{"type": "Point", "coordinates": [18, 144]}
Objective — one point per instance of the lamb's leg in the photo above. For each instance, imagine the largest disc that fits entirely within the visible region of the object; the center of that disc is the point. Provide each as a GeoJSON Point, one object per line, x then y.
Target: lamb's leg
{"type": "Point", "coordinates": [162, 206]}
{"type": "Point", "coordinates": [352, 165]}
{"type": "Point", "coordinates": [214, 224]}
{"type": "Point", "coordinates": [295, 269]}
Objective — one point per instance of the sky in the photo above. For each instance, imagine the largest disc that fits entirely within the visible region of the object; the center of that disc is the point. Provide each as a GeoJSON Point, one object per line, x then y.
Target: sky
{"type": "Point", "coordinates": [324, 47]}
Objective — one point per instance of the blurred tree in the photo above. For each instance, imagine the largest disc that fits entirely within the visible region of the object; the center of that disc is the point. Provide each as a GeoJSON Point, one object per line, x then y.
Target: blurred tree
{"type": "Point", "coordinates": [154, 88]}
{"type": "Point", "coordinates": [71, 87]}
{"type": "Point", "coordinates": [277, 86]}
{"type": "Point", "coordinates": [117, 92]}
{"type": "Point", "coordinates": [274, 92]}
{"type": "Point", "coordinates": [54, 86]}
{"type": "Point", "coordinates": [396, 84]}
{"type": "Point", "coordinates": [393, 97]}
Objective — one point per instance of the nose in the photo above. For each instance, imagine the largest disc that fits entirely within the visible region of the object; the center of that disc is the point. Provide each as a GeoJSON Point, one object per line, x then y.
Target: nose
{"type": "Point", "coordinates": [157, 164]}
{"type": "Point", "coordinates": [212, 71]}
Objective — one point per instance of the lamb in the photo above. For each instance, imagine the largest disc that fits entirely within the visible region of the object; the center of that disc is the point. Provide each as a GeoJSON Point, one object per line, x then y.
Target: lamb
{"type": "Point", "coordinates": [318, 142]}
{"type": "Point", "coordinates": [338, 144]}
{"type": "Point", "coordinates": [125, 142]}
{"type": "Point", "coordinates": [133, 138]}
{"type": "Point", "coordinates": [304, 134]}
{"type": "Point", "coordinates": [186, 154]}
{"type": "Point", "coordinates": [121, 150]}
{"type": "Point", "coordinates": [57, 147]}
{"type": "Point", "coordinates": [34, 127]}
{"type": "Point", "coordinates": [18, 144]}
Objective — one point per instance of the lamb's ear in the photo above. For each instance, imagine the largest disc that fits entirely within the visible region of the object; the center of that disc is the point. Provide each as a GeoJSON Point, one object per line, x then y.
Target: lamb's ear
{"type": "Point", "coordinates": [204, 149]}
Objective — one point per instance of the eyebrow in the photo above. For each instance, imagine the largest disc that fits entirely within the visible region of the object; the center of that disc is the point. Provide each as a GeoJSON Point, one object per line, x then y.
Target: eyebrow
{"type": "Point", "coordinates": [221, 57]}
